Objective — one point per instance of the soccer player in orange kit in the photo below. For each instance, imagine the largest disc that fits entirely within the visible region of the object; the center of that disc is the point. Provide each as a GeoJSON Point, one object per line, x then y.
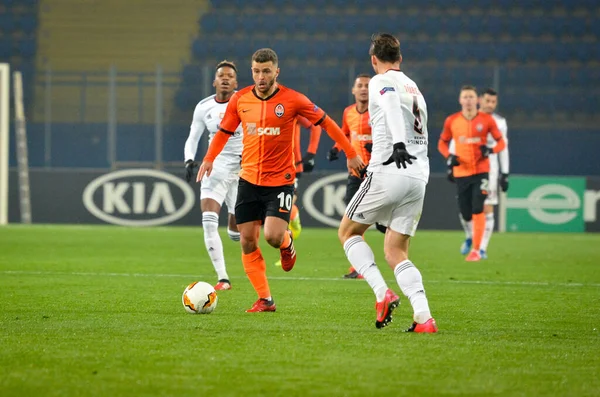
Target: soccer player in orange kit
{"type": "Point", "coordinates": [267, 111]}
{"type": "Point", "coordinates": [469, 129]}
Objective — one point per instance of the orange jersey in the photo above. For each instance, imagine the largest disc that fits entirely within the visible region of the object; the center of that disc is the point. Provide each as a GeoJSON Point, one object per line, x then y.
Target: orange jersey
{"type": "Point", "coordinates": [469, 136]}
{"type": "Point", "coordinates": [269, 127]}
{"type": "Point", "coordinates": [313, 145]}
{"type": "Point", "coordinates": [356, 127]}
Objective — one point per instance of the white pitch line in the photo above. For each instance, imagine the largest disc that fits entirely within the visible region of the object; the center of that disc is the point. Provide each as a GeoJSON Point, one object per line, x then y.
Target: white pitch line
{"type": "Point", "coordinates": [196, 276]}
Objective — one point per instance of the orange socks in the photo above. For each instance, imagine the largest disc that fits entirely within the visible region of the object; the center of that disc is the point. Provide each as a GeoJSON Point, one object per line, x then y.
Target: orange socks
{"type": "Point", "coordinates": [287, 240]}
{"type": "Point", "coordinates": [256, 269]}
{"type": "Point", "coordinates": [478, 229]}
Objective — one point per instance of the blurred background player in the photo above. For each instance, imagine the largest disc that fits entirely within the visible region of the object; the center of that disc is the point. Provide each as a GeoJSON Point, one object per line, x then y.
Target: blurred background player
{"type": "Point", "coordinates": [393, 190]}
{"type": "Point", "coordinates": [222, 184]}
{"type": "Point", "coordinates": [469, 130]}
{"type": "Point", "coordinates": [267, 111]}
{"type": "Point", "coordinates": [355, 124]}
{"type": "Point", "coordinates": [499, 167]}
{"type": "Point", "coordinates": [304, 164]}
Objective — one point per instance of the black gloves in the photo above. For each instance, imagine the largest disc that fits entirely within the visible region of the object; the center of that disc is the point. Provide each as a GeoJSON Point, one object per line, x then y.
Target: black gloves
{"type": "Point", "coordinates": [308, 162]}
{"type": "Point", "coordinates": [485, 151]}
{"type": "Point", "coordinates": [503, 182]}
{"type": "Point", "coordinates": [452, 161]}
{"type": "Point", "coordinates": [400, 156]}
{"type": "Point", "coordinates": [189, 169]}
{"type": "Point", "coordinates": [333, 154]}
{"type": "Point", "coordinates": [368, 147]}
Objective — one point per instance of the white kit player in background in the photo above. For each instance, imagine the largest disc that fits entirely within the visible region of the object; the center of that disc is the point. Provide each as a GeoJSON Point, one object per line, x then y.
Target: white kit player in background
{"type": "Point", "coordinates": [498, 175]}
{"type": "Point", "coordinates": [222, 184]}
{"type": "Point", "coordinates": [393, 191]}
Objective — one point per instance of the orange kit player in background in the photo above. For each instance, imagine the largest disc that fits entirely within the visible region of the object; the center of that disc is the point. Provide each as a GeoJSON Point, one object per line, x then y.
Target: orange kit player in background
{"type": "Point", "coordinates": [267, 111]}
{"type": "Point", "coordinates": [469, 129]}
{"type": "Point", "coordinates": [355, 124]}
{"type": "Point", "coordinates": [305, 164]}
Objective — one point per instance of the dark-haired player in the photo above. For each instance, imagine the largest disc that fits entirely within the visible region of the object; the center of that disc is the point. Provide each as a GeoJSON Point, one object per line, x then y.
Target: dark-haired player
{"type": "Point", "coordinates": [222, 184]}
{"type": "Point", "coordinates": [469, 130]}
{"type": "Point", "coordinates": [267, 111]}
{"type": "Point", "coordinates": [393, 190]}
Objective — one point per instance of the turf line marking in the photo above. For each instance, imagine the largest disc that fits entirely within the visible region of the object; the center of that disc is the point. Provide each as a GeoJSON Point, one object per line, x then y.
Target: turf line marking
{"type": "Point", "coordinates": [196, 276]}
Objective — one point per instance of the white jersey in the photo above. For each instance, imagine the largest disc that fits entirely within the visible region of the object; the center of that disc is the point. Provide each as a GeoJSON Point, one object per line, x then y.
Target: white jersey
{"type": "Point", "coordinates": [207, 116]}
{"type": "Point", "coordinates": [501, 157]}
{"type": "Point", "coordinates": [398, 113]}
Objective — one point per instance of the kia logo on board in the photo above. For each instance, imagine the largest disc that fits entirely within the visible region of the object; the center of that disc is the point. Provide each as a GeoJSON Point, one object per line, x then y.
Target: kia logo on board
{"type": "Point", "coordinates": [324, 199]}
{"type": "Point", "coordinates": [138, 197]}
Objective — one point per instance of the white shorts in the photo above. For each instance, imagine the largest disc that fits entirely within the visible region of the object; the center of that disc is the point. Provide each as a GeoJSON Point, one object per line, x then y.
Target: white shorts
{"type": "Point", "coordinates": [394, 201]}
{"type": "Point", "coordinates": [221, 186]}
{"type": "Point", "coordinates": [492, 196]}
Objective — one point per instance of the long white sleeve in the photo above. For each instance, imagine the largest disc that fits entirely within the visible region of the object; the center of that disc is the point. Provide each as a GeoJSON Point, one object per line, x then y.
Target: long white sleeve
{"type": "Point", "coordinates": [196, 130]}
{"type": "Point", "coordinates": [503, 156]}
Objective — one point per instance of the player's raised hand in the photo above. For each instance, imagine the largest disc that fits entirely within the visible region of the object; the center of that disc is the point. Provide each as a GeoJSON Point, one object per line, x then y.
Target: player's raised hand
{"type": "Point", "coordinates": [190, 165]}
{"type": "Point", "coordinates": [355, 164]}
{"type": "Point", "coordinates": [400, 156]}
{"type": "Point", "coordinates": [205, 168]}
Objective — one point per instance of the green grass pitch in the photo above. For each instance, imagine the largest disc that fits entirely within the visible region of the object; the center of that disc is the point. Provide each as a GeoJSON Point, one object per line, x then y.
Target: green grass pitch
{"type": "Point", "coordinates": [96, 311]}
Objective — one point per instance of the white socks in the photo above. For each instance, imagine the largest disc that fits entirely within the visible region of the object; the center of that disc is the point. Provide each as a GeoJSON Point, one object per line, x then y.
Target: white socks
{"type": "Point", "coordinates": [487, 232]}
{"type": "Point", "coordinates": [411, 283]}
{"type": "Point", "coordinates": [362, 259]}
{"type": "Point", "coordinates": [467, 226]}
{"type": "Point", "coordinates": [214, 245]}
{"type": "Point", "coordinates": [234, 236]}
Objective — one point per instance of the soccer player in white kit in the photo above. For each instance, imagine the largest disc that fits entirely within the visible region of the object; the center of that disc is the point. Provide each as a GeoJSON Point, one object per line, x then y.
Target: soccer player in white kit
{"type": "Point", "coordinates": [498, 175]}
{"type": "Point", "coordinates": [393, 190]}
{"type": "Point", "coordinates": [222, 184]}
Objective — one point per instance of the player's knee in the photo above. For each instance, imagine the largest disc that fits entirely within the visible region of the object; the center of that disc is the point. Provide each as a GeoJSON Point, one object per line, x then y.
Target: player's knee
{"type": "Point", "coordinates": [394, 255]}
{"type": "Point", "coordinates": [467, 215]}
{"type": "Point", "coordinates": [248, 245]}
{"type": "Point", "coordinates": [477, 209]}
{"type": "Point", "coordinates": [274, 238]}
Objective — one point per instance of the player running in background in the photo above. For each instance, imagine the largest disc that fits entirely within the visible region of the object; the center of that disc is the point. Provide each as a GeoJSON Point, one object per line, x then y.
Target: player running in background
{"type": "Point", "coordinates": [393, 190]}
{"type": "Point", "coordinates": [498, 175]}
{"type": "Point", "coordinates": [303, 164]}
{"type": "Point", "coordinates": [469, 129]}
{"type": "Point", "coordinates": [355, 124]}
{"type": "Point", "coordinates": [221, 185]}
{"type": "Point", "coordinates": [267, 111]}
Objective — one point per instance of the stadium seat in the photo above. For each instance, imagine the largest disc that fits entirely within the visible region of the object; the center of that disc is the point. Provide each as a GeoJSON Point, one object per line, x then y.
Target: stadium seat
{"type": "Point", "coordinates": [208, 23]}
{"type": "Point", "coordinates": [27, 23]}
{"type": "Point", "coordinates": [26, 47]}
{"type": "Point", "coordinates": [7, 23]}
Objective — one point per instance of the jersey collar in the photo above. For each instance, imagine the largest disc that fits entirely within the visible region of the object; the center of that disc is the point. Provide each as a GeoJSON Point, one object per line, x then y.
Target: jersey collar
{"type": "Point", "coordinates": [267, 98]}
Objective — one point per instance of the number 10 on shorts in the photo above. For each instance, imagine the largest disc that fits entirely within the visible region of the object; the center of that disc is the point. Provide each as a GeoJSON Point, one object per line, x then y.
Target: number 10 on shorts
{"type": "Point", "coordinates": [285, 201]}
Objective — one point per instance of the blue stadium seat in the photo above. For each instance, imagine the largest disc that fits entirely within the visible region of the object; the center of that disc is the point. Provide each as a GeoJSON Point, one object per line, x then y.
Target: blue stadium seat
{"type": "Point", "coordinates": [5, 48]}
{"type": "Point", "coordinates": [494, 25]}
{"type": "Point", "coordinates": [208, 22]}
{"type": "Point", "coordinates": [26, 47]}
{"type": "Point", "coordinates": [7, 23]}
{"type": "Point", "coordinates": [27, 23]}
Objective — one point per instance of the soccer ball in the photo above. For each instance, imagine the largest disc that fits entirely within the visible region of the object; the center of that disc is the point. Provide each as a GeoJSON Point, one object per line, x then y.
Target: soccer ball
{"type": "Point", "coordinates": [199, 297]}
